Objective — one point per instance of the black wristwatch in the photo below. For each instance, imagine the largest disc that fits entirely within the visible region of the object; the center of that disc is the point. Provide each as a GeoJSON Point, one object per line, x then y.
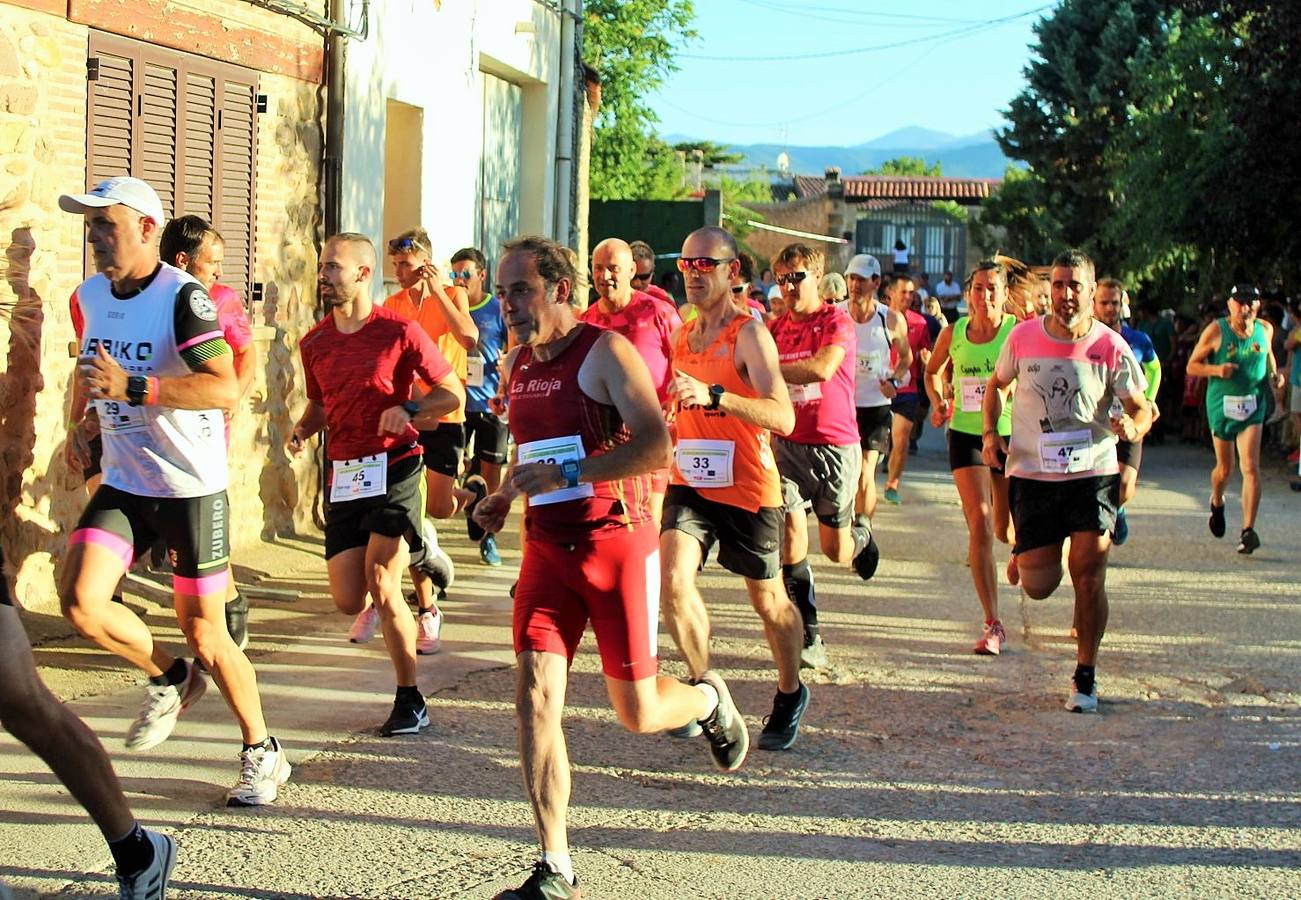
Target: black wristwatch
{"type": "Point", "coordinates": [411, 408]}
{"type": "Point", "coordinates": [137, 389]}
{"type": "Point", "coordinates": [715, 396]}
{"type": "Point", "coordinates": [894, 382]}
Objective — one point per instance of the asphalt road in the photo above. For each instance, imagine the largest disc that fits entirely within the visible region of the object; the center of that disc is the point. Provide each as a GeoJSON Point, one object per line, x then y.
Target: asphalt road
{"type": "Point", "coordinates": [922, 770]}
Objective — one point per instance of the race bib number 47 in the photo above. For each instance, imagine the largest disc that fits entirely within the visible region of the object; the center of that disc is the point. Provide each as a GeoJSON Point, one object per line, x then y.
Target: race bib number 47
{"type": "Point", "coordinates": [1066, 453]}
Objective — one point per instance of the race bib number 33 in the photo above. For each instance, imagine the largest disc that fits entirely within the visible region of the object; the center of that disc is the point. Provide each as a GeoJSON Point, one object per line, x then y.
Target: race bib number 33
{"type": "Point", "coordinates": [704, 463]}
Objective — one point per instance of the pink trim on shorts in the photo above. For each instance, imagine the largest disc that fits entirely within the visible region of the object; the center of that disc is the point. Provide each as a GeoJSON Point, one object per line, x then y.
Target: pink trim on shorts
{"type": "Point", "coordinates": [203, 585]}
{"type": "Point", "coordinates": [200, 339]}
{"type": "Point", "coordinates": [113, 543]}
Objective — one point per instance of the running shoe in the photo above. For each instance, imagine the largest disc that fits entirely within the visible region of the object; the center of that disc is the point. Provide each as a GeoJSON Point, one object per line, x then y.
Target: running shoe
{"type": "Point", "coordinates": [1217, 520]}
{"type": "Point", "coordinates": [782, 727]}
{"type": "Point", "coordinates": [992, 641]}
{"type": "Point", "coordinates": [150, 883]}
{"type": "Point", "coordinates": [488, 550]}
{"type": "Point", "coordinates": [690, 730]}
{"type": "Point", "coordinates": [729, 740]}
{"type": "Point", "coordinates": [434, 562]}
{"type": "Point", "coordinates": [477, 486]}
{"type": "Point", "coordinates": [406, 718]}
{"type": "Point", "coordinates": [237, 621]}
{"type": "Point", "coordinates": [1120, 533]}
{"type": "Point", "coordinates": [867, 559]}
{"type": "Point", "coordinates": [814, 654]}
{"type": "Point", "coordinates": [1082, 703]}
{"type": "Point", "coordinates": [364, 626]}
{"type": "Point", "coordinates": [1249, 541]}
{"type": "Point", "coordinates": [262, 771]}
{"type": "Point", "coordinates": [892, 496]}
{"type": "Point", "coordinates": [428, 626]}
{"type": "Point", "coordinates": [543, 884]}
{"type": "Point", "coordinates": [163, 704]}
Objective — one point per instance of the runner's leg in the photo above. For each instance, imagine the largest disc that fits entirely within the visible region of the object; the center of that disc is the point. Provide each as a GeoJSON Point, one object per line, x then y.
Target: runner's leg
{"type": "Point", "coordinates": [383, 564]}
{"type": "Point", "coordinates": [900, 431]}
{"type": "Point", "coordinates": [202, 618]}
{"type": "Point", "coordinates": [782, 627]}
{"type": "Point", "coordinates": [973, 483]}
{"type": "Point", "coordinates": [1224, 453]}
{"type": "Point", "coordinates": [544, 760]}
{"type": "Point", "coordinates": [684, 609]}
{"type": "Point", "coordinates": [1248, 447]}
{"type": "Point", "coordinates": [86, 590]}
{"type": "Point", "coordinates": [865, 499]}
{"type": "Point", "coordinates": [1040, 570]}
{"type": "Point", "coordinates": [1088, 564]}
{"type": "Point", "coordinates": [1003, 529]}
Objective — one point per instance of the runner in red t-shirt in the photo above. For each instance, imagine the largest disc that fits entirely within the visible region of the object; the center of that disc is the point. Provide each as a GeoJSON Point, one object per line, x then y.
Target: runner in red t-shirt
{"type": "Point", "coordinates": [588, 433]}
{"type": "Point", "coordinates": [647, 322]}
{"type": "Point", "coordinates": [819, 460]}
{"type": "Point", "coordinates": [360, 362]}
{"type": "Point", "coordinates": [906, 405]}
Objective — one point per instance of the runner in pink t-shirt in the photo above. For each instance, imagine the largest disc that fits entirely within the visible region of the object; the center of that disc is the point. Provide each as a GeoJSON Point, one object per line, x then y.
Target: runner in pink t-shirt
{"type": "Point", "coordinates": [819, 462]}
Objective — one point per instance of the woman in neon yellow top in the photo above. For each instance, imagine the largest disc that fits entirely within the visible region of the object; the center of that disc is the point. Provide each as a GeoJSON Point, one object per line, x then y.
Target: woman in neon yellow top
{"type": "Point", "coordinates": [963, 361]}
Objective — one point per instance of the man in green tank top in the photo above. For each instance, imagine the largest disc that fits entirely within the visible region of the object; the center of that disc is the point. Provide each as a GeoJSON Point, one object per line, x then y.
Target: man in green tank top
{"type": "Point", "coordinates": [1234, 355]}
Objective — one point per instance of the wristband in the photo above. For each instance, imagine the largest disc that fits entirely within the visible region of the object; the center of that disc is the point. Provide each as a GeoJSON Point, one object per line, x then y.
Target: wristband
{"type": "Point", "coordinates": [151, 392]}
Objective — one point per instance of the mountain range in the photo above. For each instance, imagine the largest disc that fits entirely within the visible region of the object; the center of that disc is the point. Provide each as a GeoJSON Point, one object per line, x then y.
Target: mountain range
{"type": "Point", "coordinates": [970, 156]}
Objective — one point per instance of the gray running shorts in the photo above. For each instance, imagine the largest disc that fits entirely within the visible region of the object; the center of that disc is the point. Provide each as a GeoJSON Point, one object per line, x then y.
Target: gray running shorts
{"type": "Point", "coordinates": [824, 476]}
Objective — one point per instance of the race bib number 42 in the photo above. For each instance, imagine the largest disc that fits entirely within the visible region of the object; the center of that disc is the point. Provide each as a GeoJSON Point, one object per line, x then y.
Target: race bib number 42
{"type": "Point", "coordinates": [357, 479]}
{"type": "Point", "coordinates": [973, 394]}
{"type": "Point", "coordinates": [555, 451]}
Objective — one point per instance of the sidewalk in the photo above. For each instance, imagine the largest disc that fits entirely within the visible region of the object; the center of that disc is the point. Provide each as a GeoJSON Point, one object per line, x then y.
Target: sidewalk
{"type": "Point", "coordinates": [922, 769]}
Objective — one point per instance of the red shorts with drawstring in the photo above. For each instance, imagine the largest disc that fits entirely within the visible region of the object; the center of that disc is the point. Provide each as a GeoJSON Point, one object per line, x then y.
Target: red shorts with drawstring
{"type": "Point", "coordinates": [613, 582]}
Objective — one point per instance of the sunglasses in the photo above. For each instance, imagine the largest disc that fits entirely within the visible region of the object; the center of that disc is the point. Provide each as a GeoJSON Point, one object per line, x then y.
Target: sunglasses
{"type": "Point", "coordinates": [791, 278]}
{"type": "Point", "coordinates": [405, 245]}
{"type": "Point", "coordinates": [700, 263]}
{"type": "Point", "coordinates": [464, 275]}
{"type": "Point", "coordinates": [639, 276]}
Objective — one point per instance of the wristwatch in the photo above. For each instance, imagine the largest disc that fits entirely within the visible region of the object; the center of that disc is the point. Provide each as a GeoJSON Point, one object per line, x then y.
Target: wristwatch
{"type": "Point", "coordinates": [894, 382]}
{"type": "Point", "coordinates": [569, 468]}
{"type": "Point", "coordinates": [412, 408]}
{"type": "Point", "coordinates": [137, 389]}
{"type": "Point", "coordinates": [715, 396]}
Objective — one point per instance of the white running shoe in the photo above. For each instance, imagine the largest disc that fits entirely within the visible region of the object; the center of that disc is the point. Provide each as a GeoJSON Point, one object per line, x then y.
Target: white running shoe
{"type": "Point", "coordinates": [150, 883]}
{"type": "Point", "coordinates": [1082, 703]}
{"type": "Point", "coordinates": [364, 626]}
{"type": "Point", "coordinates": [261, 772]}
{"type": "Point", "coordinates": [428, 627]}
{"type": "Point", "coordinates": [163, 704]}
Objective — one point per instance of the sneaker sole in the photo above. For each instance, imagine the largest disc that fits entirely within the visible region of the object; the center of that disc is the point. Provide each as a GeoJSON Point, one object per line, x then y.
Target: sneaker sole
{"type": "Point", "coordinates": [428, 651]}
{"type": "Point", "coordinates": [421, 724]}
{"type": "Point", "coordinates": [726, 695]}
{"type": "Point", "coordinates": [199, 686]}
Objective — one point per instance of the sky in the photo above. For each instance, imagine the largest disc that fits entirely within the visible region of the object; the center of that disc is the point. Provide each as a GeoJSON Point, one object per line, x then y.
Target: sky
{"type": "Point", "coordinates": [854, 69]}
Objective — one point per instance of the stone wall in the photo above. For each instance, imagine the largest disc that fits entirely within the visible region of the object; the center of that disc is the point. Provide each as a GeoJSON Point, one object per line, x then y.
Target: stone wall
{"type": "Point", "coordinates": [43, 154]}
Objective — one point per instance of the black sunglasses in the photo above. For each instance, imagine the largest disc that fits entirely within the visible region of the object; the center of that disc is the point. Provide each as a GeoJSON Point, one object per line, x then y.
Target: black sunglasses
{"type": "Point", "coordinates": [792, 278]}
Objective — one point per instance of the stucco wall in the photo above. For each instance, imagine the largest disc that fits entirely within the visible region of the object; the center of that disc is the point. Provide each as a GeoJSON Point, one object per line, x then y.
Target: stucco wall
{"type": "Point", "coordinates": [42, 154]}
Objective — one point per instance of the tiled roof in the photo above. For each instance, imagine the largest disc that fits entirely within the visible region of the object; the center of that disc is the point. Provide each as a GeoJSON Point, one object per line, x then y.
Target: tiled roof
{"type": "Point", "coordinates": [859, 188]}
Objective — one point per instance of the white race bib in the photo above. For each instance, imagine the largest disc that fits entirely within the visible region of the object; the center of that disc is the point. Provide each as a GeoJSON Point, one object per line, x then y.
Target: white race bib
{"type": "Point", "coordinates": [705, 464]}
{"type": "Point", "coordinates": [870, 365]}
{"type": "Point", "coordinates": [119, 417]}
{"type": "Point", "coordinates": [1239, 409]}
{"type": "Point", "coordinates": [1066, 452]}
{"type": "Point", "coordinates": [973, 393]}
{"type": "Point", "coordinates": [356, 479]}
{"type": "Point", "coordinates": [474, 371]}
{"type": "Point", "coordinates": [805, 393]}
{"type": "Point", "coordinates": [555, 450]}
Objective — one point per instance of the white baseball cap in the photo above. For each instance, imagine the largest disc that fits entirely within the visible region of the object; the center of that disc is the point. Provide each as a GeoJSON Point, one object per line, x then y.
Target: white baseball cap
{"type": "Point", "coordinates": [864, 265]}
{"type": "Point", "coordinates": [130, 192]}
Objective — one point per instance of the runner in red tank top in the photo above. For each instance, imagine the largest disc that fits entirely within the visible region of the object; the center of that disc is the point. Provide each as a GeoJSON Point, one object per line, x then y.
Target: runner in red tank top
{"type": "Point", "coordinates": [645, 320]}
{"type": "Point", "coordinates": [588, 431]}
{"type": "Point", "coordinates": [730, 394]}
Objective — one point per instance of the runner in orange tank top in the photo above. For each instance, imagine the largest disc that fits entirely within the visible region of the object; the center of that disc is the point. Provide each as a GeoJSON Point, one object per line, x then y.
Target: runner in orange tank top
{"type": "Point", "coordinates": [725, 486]}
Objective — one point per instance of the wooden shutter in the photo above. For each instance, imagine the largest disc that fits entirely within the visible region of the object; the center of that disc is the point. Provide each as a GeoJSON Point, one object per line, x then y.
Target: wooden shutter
{"type": "Point", "coordinates": [185, 124]}
{"type": "Point", "coordinates": [237, 138]}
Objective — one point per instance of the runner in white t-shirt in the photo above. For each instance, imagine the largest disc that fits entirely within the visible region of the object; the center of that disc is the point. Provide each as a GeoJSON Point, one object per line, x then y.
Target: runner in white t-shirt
{"type": "Point", "coordinates": [1061, 457]}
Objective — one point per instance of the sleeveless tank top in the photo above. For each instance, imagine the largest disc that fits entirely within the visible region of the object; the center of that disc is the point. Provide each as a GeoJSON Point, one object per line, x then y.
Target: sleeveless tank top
{"type": "Point", "coordinates": [871, 360]}
{"type": "Point", "coordinates": [552, 419]}
{"type": "Point", "coordinates": [973, 365]}
{"type": "Point", "coordinates": [705, 435]}
{"type": "Point", "coordinates": [1248, 354]}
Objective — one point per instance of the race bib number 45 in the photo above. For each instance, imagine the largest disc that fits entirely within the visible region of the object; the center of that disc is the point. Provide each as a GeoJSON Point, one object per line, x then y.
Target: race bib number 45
{"type": "Point", "coordinates": [357, 479]}
{"type": "Point", "coordinates": [556, 451]}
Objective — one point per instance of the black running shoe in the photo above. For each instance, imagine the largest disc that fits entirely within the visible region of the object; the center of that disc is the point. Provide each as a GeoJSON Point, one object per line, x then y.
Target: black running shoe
{"type": "Point", "coordinates": [1217, 520]}
{"type": "Point", "coordinates": [868, 558]}
{"type": "Point", "coordinates": [477, 486]}
{"type": "Point", "coordinates": [237, 620]}
{"type": "Point", "coordinates": [729, 740]}
{"type": "Point", "coordinates": [1249, 541]}
{"type": "Point", "coordinates": [406, 718]}
{"type": "Point", "coordinates": [543, 884]}
{"type": "Point", "coordinates": [782, 727]}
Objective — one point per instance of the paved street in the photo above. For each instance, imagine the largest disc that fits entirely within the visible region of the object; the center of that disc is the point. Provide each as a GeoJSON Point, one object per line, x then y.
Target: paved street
{"type": "Point", "coordinates": [921, 769]}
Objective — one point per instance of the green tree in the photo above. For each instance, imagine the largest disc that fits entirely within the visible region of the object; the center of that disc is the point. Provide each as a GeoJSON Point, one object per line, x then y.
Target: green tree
{"type": "Point", "coordinates": [1076, 100]}
{"type": "Point", "coordinates": [909, 166]}
{"type": "Point", "coordinates": [711, 154]}
{"type": "Point", "coordinates": [631, 44]}
{"type": "Point", "coordinates": [1016, 221]}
